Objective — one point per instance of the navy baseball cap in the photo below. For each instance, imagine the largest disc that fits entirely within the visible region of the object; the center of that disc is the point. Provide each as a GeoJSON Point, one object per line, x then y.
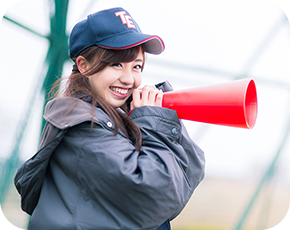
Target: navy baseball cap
{"type": "Point", "coordinates": [111, 29]}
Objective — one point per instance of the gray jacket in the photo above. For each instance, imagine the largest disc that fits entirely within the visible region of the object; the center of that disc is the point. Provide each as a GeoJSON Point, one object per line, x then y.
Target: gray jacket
{"type": "Point", "coordinates": [85, 178]}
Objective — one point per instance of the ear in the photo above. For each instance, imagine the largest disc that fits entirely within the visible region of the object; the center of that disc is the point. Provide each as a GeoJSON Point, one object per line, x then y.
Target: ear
{"type": "Point", "coordinates": [82, 64]}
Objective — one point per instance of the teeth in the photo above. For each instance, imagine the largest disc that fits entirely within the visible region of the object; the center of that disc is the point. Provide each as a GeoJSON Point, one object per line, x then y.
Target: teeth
{"type": "Point", "coordinates": [118, 90]}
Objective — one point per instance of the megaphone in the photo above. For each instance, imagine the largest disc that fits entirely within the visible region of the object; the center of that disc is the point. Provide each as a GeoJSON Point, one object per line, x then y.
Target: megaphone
{"type": "Point", "coordinates": [230, 104]}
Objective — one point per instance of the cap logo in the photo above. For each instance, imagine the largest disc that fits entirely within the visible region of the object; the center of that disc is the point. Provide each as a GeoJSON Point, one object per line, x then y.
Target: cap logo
{"type": "Point", "coordinates": [126, 19]}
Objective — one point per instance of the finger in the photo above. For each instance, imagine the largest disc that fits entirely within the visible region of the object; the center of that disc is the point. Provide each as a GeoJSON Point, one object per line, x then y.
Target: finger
{"type": "Point", "coordinates": [146, 91]}
{"type": "Point", "coordinates": [159, 99]}
{"type": "Point", "coordinates": [136, 101]}
{"type": "Point", "coordinates": [149, 87]}
{"type": "Point", "coordinates": [145, 94]}
{"type": "Point", "coordinates": [152, 96]}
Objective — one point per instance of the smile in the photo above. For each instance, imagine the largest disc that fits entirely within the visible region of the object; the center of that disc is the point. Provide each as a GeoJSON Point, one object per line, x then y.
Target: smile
{"type": "Point", "coordinates": [119, 91]}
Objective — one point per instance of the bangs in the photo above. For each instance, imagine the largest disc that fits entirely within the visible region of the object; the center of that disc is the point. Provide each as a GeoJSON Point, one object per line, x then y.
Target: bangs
{"type": "Point", "coordinates": [126, 55]}
{"type": "Point", "coordinates": [99, 57]}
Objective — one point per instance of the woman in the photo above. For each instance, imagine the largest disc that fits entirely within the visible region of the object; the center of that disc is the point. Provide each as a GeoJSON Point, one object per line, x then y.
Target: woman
{"type": "Point", "coordinates": [98, 166]}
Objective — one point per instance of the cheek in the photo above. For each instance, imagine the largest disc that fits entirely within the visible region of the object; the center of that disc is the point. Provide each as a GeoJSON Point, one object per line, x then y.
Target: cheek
{"type": "Point", "coordinates": [95, 84]}
{"type": "Point", "coordinates": [92, 83]}
{"type": "Point", "coordinates": [138, 80]}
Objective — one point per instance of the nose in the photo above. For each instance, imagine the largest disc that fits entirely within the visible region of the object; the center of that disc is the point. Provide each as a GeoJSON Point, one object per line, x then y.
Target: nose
{"type": "Point", "coordinates": [127, 78]}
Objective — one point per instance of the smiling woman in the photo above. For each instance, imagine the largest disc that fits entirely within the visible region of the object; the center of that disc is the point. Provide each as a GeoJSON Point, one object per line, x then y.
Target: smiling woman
{"type": "Point", "coordinates": [118, 73]}
{"type": "Point", "coordinates": [107, 78]}
{"type": "Point", "coordinates": [98, 166]}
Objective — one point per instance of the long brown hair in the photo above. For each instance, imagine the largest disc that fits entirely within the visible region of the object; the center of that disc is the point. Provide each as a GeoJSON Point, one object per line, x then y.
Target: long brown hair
{"type": "Point", "coordinates": [77, 86]}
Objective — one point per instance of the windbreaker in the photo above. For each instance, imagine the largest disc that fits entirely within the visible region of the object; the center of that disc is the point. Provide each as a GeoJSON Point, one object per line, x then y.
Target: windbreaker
{"type": "Point", "coordinates": [85, 177]}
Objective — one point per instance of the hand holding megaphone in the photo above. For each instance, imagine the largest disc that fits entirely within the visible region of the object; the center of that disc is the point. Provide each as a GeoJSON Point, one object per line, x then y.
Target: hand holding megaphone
{"type": "Point", "coordinates": [230, 104]}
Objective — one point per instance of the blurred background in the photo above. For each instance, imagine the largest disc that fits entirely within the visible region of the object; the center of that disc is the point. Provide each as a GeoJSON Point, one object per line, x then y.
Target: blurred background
{"type": "Point", "coordinates": [247, 182]}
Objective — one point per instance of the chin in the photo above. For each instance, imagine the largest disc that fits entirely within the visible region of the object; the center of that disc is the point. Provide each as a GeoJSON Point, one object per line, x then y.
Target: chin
{"type": "Point", "coordinates": [117, 104]}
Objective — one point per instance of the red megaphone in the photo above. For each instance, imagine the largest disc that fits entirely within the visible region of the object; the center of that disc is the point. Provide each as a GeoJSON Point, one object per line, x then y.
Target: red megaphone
{"type": "Point", "coordinates": [230, 104]}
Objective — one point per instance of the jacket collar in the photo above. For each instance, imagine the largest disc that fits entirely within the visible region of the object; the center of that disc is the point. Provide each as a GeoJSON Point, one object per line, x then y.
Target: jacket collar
{"type": "Point", "coordinates": [67, 112]}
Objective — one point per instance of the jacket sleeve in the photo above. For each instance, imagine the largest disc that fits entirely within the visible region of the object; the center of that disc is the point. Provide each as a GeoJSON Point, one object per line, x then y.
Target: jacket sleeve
{"type": "Point", "coordinates": [157, 181]}
{"type": "Point", "coordinates": [161, 127]}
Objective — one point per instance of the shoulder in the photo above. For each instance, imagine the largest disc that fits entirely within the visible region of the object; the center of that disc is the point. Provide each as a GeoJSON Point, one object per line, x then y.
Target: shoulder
{"type": "Point", "coordinates": [67, 112]}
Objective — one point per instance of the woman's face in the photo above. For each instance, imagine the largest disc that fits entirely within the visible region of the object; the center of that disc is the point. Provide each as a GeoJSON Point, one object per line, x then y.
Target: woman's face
{"type": "Point", "coordinates": [116, 82]}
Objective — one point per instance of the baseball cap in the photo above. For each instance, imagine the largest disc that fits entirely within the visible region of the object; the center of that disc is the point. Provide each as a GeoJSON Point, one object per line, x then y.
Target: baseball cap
{"type": "Point", "coordinates": [111, 29]}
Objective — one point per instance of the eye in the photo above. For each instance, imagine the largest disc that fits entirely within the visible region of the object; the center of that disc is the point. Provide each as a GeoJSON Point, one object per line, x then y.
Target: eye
{"type": "Point", "coordinates": [116, 65]}
{"type": "Point", "coordinates": [138, 67]}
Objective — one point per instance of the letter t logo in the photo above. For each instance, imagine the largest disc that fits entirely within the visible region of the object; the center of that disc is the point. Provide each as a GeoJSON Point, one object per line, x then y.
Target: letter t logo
{"type": "Point", "coordinates": [126, 19]}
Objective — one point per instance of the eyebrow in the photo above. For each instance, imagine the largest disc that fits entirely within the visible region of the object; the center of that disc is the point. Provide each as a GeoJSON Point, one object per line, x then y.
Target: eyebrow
{"type": "Point", "coordinates": [139, 60]}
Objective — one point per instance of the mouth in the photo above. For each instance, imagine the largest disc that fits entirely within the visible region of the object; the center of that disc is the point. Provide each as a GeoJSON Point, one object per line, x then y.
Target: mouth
{"type": "Point", "coordinates": [119, 92]}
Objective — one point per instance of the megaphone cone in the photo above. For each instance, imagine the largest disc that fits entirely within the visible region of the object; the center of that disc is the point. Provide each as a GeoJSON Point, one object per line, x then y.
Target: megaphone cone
{"type": "Point", "coordinates": [230, 104]}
